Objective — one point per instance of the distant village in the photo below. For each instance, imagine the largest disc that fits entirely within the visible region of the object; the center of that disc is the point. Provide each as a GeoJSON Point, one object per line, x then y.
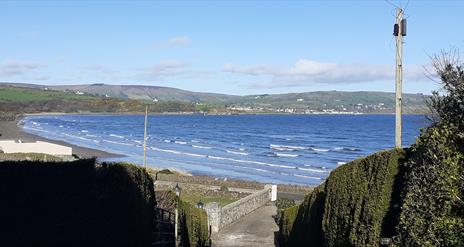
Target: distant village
{"type": "Point", "coordinates": [301, 108]}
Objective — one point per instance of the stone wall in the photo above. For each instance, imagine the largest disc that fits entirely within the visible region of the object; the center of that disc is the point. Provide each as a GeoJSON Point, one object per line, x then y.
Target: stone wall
{"type": "Point", "coordinates": [219, 217]}
{"type": "Point", "coordinates": [172, 184]}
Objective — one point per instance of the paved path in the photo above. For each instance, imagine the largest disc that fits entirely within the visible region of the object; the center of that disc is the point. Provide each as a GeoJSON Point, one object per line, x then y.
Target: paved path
{"type": "Point", "coordinates": [255, 229]}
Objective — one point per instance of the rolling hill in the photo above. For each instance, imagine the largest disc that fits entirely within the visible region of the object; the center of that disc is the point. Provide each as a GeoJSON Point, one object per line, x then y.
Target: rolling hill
{"type": "Point", "coordinates": [322, 101]}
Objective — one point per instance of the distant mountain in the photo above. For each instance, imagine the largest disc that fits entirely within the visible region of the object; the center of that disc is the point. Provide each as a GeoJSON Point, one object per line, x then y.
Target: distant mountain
{"type": "Point", "coordinates": [137, 92]}
{"type": "Point", "coordinates": [323, 101]}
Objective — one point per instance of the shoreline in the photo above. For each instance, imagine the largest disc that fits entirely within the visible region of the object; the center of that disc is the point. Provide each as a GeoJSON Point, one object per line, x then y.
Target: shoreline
{"type": "Point", "coordinates": [13, 130]}
{"type": "Point", "coordinates": [206, 114]}
{"type": "Point", "coordinates": [10, 130]}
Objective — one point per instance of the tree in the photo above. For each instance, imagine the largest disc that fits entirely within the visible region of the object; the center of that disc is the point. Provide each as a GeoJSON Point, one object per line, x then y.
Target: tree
{"type": "Point", "coordinates": [433, 208]}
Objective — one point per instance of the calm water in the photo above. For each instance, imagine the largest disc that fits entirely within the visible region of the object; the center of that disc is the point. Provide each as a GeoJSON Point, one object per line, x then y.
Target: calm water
{"type": "Point", "coordinates": [297, 149]}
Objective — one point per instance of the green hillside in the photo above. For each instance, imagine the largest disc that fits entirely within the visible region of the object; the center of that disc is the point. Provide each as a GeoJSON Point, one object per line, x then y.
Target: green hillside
{"type": "Point", "coordinates": [339, 101]}
{"type": "Point", "coordinates": [36, 100]}
{"type": "Point", "coordinates": [140, 92]}
{"type": "Point", "coordinates": [308, 102]}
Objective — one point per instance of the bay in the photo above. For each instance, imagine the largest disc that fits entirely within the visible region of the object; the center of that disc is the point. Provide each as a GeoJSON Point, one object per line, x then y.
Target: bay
{"type": "Point", "coordinates": [286, 149]}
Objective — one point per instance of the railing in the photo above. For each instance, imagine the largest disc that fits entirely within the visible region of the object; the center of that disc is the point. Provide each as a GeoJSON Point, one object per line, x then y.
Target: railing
{"type": "Point", "coordinates": [163, 228]}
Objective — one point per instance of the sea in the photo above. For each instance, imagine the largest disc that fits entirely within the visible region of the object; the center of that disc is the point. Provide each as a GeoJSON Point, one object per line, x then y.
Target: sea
{"type": "Point", "coordinates": [283, 149]}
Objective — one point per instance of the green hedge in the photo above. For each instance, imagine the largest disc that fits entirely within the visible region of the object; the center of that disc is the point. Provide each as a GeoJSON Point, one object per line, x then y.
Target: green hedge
{"type": "Point", "coordinates": [286, 219]}
{"type": "Point", "coordinates": [433, 207]}
{"type": "Point", "coordinates": [194, 225]}
{"type": "Point", "coordinates": [303, 224]}
{"type": "Point", "coordinates": [75, 204]}
{"type": "Point", "coordinates": [349, 208]}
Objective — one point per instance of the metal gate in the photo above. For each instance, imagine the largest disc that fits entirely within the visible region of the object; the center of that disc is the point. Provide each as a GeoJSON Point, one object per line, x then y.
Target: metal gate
{"type": "Point", "coordinates": [163, 228]}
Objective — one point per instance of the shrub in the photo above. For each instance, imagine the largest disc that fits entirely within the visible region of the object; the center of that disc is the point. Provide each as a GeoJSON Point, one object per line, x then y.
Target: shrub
{"type": "Point", "coordinates": [165, 171]}
{"type": "Point", "coordinates": [358, 197]}
{"type": "Point", "coordinates": [349, 209]}
{"type": "Point", "coordinates": [284, 203]}
{"type": "Point", "coordinates": [433, 205]}
{"type": "Point", "coordinates": [194, 225]}
{"type": "Point", "coordinates": [75, 204]}
{"type": "Point", "coordinates": [285, 219]}
{"type": "Point", "coordinates": [302, 224]}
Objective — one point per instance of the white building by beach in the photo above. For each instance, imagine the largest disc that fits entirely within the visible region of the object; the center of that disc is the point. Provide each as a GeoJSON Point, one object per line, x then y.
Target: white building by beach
{"type": "Point", "coordinates": [17, 146]}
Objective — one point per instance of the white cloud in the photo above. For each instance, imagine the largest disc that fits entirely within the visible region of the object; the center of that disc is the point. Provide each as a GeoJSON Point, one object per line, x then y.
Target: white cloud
{"type": "Point", "coordinates": [12, 68]}
{"type": "Point", "coordinates": [173, 42]}
{"type": "Point", "coordinates": [168, 69]}
{"type": "Point", "coordinates": [305, 72]}
{"type": "Point", "coordinates": [182, 40]}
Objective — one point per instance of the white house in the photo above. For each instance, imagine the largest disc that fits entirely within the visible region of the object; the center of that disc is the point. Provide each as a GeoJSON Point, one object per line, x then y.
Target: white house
{"type": "Point", "coordinates": [14, 146]}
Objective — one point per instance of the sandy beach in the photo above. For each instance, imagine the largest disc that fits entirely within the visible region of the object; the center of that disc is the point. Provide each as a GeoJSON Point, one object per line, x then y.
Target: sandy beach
{"type": "Point", "coordinates": [10, 130]}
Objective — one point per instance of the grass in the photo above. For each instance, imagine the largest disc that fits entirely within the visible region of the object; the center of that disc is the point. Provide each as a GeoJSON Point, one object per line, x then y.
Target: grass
{"type": "Point", "coordinates": [198, 196]}
{"type": "Point", "coordinates": [12, 94]}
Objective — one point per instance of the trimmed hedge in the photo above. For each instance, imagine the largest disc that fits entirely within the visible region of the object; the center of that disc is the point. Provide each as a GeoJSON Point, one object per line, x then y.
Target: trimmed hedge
{"type": "Point", "coordinates": [349, 209]}
{"type": "Point", "coordinates": [297, 222]}
{"type": "Point", "coordinates": [358, 198]}
{"type": "Point", "coordinates": [75, 204]}
{"type": "Point", "coordinates": [432, 207]}
{"type": "Point", "coordinates": [286, 220]}
{"type": "Point", "coordinates": [194, 225]}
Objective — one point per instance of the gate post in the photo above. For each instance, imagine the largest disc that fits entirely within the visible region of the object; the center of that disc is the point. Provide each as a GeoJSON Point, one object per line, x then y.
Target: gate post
{"type": "Point", "coordinates": [213, 210]}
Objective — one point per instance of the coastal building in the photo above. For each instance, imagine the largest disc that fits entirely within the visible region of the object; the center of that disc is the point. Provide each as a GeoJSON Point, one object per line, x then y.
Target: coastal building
{"type": "Point", "coordinates": [17, 146]}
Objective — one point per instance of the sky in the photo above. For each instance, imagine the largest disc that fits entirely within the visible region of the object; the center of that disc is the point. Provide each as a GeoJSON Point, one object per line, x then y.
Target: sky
{"type": "Point", "coordinates": [225, 46]}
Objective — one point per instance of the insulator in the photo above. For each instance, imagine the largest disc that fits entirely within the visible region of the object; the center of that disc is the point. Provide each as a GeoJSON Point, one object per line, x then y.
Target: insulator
{"type": "Point", "coordinates": [396, 30]}
{"type": "Point", "coordinates": [403, 27]}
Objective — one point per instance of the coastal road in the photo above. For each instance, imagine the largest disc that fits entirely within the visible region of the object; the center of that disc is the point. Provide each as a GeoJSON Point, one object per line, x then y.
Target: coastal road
{"type": "Point", "coordinates": [255, 229]}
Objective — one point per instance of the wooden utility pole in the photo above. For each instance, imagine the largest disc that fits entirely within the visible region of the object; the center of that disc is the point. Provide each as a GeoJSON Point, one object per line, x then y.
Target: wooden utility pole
{"type": "Point", "coordinates": [399, 31]}
{"type": "Point", "coordinates": [145, 138]}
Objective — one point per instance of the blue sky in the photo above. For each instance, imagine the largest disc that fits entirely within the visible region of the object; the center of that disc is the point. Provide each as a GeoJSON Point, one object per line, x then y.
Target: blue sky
{"type": "Point", "coordinates": [233, 47]}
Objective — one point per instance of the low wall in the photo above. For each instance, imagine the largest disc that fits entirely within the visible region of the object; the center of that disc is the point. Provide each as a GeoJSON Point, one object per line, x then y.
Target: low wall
{"type": "Point", "coordinates": [172, 184]}
{"type": "Point", "coordinates": [220, 217]}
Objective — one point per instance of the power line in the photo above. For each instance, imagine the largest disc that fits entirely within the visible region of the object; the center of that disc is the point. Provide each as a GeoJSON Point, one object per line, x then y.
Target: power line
{"type": "Point", "coordinates": [392, 4]}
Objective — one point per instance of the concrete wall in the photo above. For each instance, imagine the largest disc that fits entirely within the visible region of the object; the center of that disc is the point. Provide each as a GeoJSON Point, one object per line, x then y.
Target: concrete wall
{"type": "Point", "coordinates": [219, 217]}
{"type": "Point", "coordinates": [11, 146]}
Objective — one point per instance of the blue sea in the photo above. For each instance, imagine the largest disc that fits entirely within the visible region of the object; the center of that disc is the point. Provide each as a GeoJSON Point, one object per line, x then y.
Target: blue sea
{"type": "Point", "coordinates": [287, 149]}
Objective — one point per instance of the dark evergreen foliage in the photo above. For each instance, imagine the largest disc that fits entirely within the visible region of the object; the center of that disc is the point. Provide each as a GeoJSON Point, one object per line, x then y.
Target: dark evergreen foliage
{"type": "Point", "coordinates": [194, 225]}
{"type": "Point", "coordinates": [75, 204]}
{"type": "Point", "coordinates": [433, 207]}
{"type": "Point", "coordinates": [349, 209]}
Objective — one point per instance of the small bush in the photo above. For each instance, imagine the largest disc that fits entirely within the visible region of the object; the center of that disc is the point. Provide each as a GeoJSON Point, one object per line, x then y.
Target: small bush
{"type": "Point", "coordinates": [283, 203]}
{"type": "Point", "coordinates": [194, 225]}
{"type": "Point", "coordinates": [224, 188]}
{"type": "Point", "coordinates": [307, 227]}
{"type": "Point", "coordinates": [165, 171]}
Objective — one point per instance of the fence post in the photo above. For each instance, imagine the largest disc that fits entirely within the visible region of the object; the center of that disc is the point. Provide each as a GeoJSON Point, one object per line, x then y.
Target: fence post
{"type": "Point", "coordinates": [272, 191]}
